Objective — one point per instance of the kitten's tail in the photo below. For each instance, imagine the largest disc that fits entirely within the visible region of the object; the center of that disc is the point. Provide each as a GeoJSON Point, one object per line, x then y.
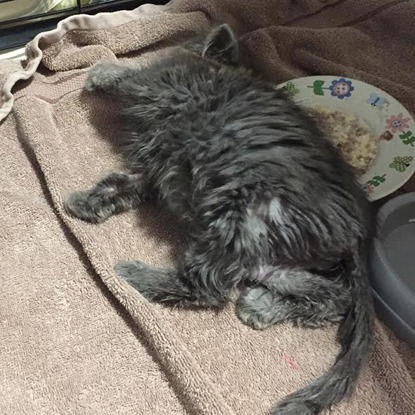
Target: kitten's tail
{"type": "Point", "coordinates": [355, 336]}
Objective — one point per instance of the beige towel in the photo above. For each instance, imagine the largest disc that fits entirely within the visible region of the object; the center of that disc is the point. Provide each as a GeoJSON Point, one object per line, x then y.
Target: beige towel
{"type": "Point", "coordinates": [75, 339]}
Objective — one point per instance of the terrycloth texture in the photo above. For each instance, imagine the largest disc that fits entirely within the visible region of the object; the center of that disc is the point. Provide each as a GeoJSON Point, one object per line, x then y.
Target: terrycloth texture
{"type": "Point", "coordinates": [67, 345]}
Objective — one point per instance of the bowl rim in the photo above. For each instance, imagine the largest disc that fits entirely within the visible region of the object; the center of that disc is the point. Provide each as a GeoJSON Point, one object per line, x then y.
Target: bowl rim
{"type": "Point", "coordinates": [391, 205]}
{"type": "Point", "coordinates": [394, 291]}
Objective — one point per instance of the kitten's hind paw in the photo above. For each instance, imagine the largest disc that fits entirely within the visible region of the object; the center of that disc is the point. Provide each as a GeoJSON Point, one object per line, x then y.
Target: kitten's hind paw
{"type": "Point", "coordinates": [138, 275]}
{"type": "Point", "coordinates": [130, 270]}
{"type": "Point", "coordinates": [255, 308]}
{"type": "Point", "coordinates": [294, 408]}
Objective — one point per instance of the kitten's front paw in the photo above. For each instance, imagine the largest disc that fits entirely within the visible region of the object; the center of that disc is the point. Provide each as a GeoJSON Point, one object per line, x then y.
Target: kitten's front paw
{"type": "Point", "coordinates": [78, 205]}
{"type": "Point", "coordinates": [102, 76]}
{"type": "Point", "coordinates": [137, 274]}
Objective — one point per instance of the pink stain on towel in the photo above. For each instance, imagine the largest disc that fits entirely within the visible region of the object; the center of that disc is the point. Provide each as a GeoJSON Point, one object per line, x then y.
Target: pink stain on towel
{"type": "Point", "coordinates": [291, 362]}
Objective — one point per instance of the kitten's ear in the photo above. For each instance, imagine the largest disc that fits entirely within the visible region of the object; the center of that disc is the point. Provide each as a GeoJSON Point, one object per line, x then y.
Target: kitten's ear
{"type": "Point", "coordinates": [221, 45]}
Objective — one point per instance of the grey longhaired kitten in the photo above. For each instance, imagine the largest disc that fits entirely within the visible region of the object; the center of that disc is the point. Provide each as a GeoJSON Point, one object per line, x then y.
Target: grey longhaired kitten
{"type": "Point", "coordinates": [271, 206]}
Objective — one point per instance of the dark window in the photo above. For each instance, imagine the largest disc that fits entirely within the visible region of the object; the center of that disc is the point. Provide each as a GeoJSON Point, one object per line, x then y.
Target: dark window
{"type": "Point", "coordinates": [22, 20]}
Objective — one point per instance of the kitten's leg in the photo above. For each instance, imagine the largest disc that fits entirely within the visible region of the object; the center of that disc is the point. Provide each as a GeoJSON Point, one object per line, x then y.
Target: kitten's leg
{"type": "Point", "coordinates": [293, 295]}
{"type": "Point", "coordinates": [156, 284]}
{"type": "Point", "coordinates": [113, 194]}
{"type": "Point", "coordinates": [106, 77]}
{"type": "Point", "coordinates": [199, 281]}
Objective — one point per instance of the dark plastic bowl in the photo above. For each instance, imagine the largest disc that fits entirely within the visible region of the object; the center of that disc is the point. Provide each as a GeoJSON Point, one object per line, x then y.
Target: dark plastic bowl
{"type": "Point", "coordinates": [392, 266]}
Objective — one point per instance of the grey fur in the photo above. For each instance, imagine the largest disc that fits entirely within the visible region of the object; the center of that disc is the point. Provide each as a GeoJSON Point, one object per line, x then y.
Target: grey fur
{"type": "Point", "coordinates": [293, 295]}
{"type": "Point", "coordinates": [113, 194]}
{"type": "Point", "coordinates": [269, 203]}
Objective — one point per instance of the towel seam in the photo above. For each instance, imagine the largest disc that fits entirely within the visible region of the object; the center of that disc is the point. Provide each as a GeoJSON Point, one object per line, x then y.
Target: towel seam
{"type": "Point", "coordinates": [372, 13]}
{"type": "Point", "coordinates": [306, 16]}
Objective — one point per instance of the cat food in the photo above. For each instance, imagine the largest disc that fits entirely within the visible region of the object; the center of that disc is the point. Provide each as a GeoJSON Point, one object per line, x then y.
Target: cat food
{"type": "Point", "coordinates": [352, 137]}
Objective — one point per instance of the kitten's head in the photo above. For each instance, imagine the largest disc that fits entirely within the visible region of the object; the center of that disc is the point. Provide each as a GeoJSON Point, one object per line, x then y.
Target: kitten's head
{"type": "Point", "coordinates": [219, 45]}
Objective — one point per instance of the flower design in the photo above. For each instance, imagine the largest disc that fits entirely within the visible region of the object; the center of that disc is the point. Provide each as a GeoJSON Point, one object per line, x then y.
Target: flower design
{"type": "Point", "coordinates": [291, 89]}
{"type": "Point", "coordinates": [368, 189]}
{"type": "Point", "coordinates": [341, 88]}
{"type": "Point", "coordinates": [318, 87]}
{"type": "Point", "coordinates": [376, 180]}
{"type": "Point", "coordinates": [401, 163]}
{"type": "Point", "coordinates": [408, 138]}
{"type": "Point", "coordinates": [397, 123]}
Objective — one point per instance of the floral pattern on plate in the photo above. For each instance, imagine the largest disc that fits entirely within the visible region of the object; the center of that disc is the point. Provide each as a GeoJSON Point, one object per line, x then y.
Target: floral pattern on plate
{"type": "Point", "coordinates": [341, 88]}
{"type": "Point", "coordinates": [387, 118]}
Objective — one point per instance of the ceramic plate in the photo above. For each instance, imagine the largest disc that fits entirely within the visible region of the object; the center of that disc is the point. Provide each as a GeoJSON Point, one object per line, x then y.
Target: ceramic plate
{"type": "Point", "coordinates": [395, 162]}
